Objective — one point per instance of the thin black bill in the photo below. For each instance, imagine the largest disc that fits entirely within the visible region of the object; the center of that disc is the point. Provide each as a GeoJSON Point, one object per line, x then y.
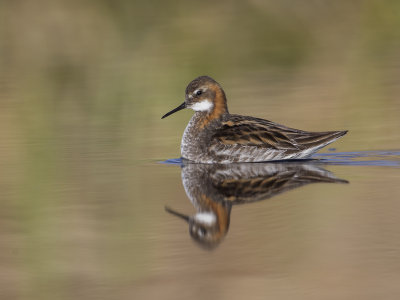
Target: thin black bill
{"type": "Point", "coordinates": [179, 215]}
{"type": "Point", "coordinates": [180, 107]}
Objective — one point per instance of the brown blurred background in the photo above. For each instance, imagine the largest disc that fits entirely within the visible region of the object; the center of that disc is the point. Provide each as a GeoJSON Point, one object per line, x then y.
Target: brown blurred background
{"type": "Point", "coordinates": [83, 85]}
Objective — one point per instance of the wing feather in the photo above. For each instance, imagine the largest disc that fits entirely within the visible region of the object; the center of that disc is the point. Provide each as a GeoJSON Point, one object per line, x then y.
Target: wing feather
{"type": "Point", "coordinates": [250, 131]}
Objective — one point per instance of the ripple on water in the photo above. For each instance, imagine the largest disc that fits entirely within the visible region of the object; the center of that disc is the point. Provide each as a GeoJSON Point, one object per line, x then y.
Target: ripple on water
{"type": "Point", "coordinates": [386, 158]}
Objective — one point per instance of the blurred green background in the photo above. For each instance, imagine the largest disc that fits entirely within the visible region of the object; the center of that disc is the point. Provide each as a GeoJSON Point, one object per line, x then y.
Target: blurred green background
{"type": "Point", "coordinates": [83, 85]}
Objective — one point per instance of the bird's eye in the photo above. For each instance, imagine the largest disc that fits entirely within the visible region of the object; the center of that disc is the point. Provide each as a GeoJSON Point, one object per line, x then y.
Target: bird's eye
{"type": "Point", "coordinates": [199, 92]}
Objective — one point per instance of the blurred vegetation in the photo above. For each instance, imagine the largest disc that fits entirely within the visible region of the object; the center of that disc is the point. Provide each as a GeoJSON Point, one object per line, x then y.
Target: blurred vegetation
{"type": "Point", "coordinates": [115, 63]}
{"type": "Point", "coordinates": [83, 85]}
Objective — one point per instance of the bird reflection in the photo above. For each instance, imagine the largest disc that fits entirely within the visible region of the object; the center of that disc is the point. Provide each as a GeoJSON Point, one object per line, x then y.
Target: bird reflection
{"type": "Point", "coordinates": [214, 189]}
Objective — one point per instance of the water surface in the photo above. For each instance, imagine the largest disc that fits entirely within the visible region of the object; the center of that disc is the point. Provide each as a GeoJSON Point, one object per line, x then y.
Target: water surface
{"type": "Point", "coordinates": [83, 192]}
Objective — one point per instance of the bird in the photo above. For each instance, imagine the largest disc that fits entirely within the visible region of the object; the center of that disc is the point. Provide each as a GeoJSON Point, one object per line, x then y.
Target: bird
{"type": "Point", "coordinates": [213, 189]}
{"type": "Point", "coordinates": [213, 135]}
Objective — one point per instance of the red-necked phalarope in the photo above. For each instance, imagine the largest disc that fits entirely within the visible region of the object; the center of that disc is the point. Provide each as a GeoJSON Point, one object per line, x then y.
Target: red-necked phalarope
{"type": "Point", "coordinates": [213, 135]}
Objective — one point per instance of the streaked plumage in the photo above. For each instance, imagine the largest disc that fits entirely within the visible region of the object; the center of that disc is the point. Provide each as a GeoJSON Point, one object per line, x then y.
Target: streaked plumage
{"type": "Point", "coordinates": [214, 188]}
{"type": "Point", "coordinates": [213, 135]}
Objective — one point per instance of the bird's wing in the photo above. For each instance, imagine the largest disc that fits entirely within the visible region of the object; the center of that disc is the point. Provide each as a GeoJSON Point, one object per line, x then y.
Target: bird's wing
{"type": "Point", "coordinates": [249, 131]}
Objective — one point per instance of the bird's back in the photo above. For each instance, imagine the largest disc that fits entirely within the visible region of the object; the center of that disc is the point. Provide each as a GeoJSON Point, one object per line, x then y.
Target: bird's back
{"type": "Point", "coordinates": [248, 139]}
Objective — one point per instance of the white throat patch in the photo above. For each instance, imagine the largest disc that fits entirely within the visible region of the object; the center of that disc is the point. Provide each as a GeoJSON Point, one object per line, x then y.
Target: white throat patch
{"type": "Point", "coordinates": [206, 218]}
{"type": "Point", "coordinates": [204, 105]}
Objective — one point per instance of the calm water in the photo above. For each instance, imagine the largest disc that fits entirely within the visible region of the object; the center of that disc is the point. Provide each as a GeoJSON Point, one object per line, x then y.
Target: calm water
{"type": "Point", "coordinates": [94, 202]}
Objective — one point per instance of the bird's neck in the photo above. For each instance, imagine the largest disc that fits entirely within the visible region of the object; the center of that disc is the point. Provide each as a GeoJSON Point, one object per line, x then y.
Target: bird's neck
{"type": "Point", "coordinates": [218, 110]}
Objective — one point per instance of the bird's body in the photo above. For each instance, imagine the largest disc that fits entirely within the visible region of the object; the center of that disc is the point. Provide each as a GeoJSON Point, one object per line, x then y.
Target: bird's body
{"type": "Point", "coordinates": [213, 135]}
